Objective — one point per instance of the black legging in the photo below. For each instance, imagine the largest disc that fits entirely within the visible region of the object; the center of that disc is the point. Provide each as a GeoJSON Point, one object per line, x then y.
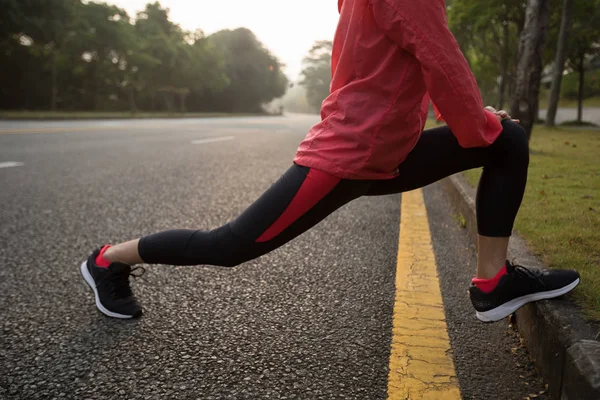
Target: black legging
{"type": "Point", "coordinates": [302, 198]}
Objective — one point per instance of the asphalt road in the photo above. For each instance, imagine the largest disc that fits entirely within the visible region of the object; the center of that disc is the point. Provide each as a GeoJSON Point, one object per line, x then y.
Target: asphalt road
{"type": "Point", "coordinates": [589, 114]}
{"type": "Point", "coordinates": [311, 320]}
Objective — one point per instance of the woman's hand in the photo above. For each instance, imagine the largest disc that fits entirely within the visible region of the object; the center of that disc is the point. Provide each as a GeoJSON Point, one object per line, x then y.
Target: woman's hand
{"type": "Point", "coordinates": [501, 115]}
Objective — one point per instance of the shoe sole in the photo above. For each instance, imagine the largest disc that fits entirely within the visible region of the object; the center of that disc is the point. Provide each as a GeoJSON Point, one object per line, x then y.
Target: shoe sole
{"type": "Point", "coordinates": [90, 281]}
{"type": "Point", "coordinates": [503, 311]}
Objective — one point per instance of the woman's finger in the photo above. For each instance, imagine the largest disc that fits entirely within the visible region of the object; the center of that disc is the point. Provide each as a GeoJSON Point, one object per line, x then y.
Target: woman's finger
{"type": "Point", "coordinates": [504, 116]}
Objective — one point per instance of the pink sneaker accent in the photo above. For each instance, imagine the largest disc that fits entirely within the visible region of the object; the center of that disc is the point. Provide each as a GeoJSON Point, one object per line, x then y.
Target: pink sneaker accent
{"type": "Point", "coordinates": [487, 285]}
{"type": "Point", "coordinates": [100, 260]}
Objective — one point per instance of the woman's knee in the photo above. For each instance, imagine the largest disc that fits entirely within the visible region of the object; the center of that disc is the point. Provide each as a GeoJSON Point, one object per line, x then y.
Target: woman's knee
{"type": "Point", "coordinates": [513, 143]}
{"type": "Point", "coordinates": [230, 250]}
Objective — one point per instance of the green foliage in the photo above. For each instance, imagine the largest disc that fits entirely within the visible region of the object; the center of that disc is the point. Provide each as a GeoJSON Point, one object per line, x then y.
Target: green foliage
{"type": "Point", "coordinates": [317, 73]}
{"type": "Point", "coordinates": [584, 41]}
{"type": "Point", "coordinates": [570, 85]}
{"type": "Point", "coordinates": [488, 34]}
{"type": "Point", "coordinates": [479, 27]}
{"type": "Point", "coordinates": [255, 76]}
{"type": "Point", "coordinates": [583, 53]}
{"type": "Point", "coordinates": [71, 55]}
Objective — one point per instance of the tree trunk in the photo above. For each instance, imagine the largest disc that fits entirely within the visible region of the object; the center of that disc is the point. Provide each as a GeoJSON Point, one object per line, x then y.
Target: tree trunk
{"type": "Point", "coordinates": [504, 62]}
{"type": "Point", "coordinates": [132, 104]}
{"type": "Point", "coordinates": [559, 62]}
{"type": "Point", "coordinates": [524, 104]}
{"type": "Point", "coordinates": [168, 97]}
{"type": "Point", "coordinates": [54, 96]}
{"type": "Point", "coordinates": [511, 85]}
{"type": "Point", "coordinates": [182, 97]}
{"type": "Point", "coordinates": [93, 93]}
{"type": "Point", "coordinates": [581, 83]}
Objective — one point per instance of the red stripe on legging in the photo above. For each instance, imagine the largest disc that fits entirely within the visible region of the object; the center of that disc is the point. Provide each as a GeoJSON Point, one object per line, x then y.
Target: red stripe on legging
{"type": "Point", "coordinates": [316, 186]}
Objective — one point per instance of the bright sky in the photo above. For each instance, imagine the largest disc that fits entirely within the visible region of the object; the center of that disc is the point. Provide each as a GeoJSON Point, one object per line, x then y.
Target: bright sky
{"type": "Point", "coordinates": [287, 29]}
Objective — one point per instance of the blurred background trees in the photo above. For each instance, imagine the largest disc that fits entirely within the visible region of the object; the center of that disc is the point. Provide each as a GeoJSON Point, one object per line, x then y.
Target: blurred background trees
{"type": "Point", "coordinates": [316, 74]}
{"type": "Point", "coordinates": [495, 36]}
{"type": "Point", "coordinates": [74, 55]}
{"type": "Point", "coordinates": [70, 55]}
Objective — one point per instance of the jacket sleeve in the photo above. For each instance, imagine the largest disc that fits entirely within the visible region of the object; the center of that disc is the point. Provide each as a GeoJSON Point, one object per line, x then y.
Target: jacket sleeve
{"type": "Point", "coordinates": [420, 28]}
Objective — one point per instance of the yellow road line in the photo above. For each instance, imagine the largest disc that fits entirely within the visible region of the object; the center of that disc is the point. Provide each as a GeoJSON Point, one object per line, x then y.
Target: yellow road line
{"type": "Point", "coordinates": [421, 365]}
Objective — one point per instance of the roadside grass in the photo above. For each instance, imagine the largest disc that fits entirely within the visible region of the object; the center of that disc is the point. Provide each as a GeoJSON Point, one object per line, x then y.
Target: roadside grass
{"type": "Point", "coordinates": [63, 115]}
{"type": "Point", "coordinates": [560, 215]}
{"type": "Point", "coordinates": [579, 123]}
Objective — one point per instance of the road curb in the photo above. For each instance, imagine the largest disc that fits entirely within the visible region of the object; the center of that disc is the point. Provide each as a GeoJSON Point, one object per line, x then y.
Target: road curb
{"type": "Point", "coordinates": [563, 346]}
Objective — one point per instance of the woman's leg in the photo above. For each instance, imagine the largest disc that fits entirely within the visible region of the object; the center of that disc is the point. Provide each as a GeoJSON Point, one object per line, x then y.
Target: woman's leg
{"type": "Point", "coordinates": [126, 253]}
{"type": "Point", "coordinates": [300, 199]}
{"type": "Point", "coordinates": [500, 191]}
{"type": "Point", "coordinates": [500, 288]}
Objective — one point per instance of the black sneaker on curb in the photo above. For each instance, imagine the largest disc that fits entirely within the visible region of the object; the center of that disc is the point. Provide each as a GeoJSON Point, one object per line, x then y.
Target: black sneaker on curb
{"type": "Point", "coordinates": [518, 287]}
{"type": "Point", "coordinates": [114, 297]}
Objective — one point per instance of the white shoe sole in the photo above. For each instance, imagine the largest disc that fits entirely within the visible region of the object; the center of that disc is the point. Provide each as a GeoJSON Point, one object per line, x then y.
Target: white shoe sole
{"type": "Point", "coordinates": [90, 281]}
{"type": "Point", "coordinates": [503, 311]}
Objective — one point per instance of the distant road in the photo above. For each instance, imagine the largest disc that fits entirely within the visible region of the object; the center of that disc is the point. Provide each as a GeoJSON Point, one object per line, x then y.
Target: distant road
{"type": "Point", "coordinates": [590, 114]}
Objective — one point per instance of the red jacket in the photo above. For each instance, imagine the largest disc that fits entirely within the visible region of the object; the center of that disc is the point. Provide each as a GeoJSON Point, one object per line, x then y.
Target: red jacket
{"type": "Point", "coordinates": [389, 57]}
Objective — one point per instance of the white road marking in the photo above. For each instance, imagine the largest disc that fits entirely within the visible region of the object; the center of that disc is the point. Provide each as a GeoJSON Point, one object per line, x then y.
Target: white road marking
{"type": "Point", "coordinates": [212, 140]}
{"type": "Point", "coordinates": [10, 164]}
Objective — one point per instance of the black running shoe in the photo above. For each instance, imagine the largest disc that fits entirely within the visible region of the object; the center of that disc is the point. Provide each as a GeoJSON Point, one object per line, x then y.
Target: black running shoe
{"type": "Point", "coordinates": [114, 297]}
{"type": "Point", "coordinates": [518, 287]}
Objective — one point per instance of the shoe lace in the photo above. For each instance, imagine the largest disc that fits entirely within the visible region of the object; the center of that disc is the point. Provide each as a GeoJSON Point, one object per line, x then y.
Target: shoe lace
{"type": "Point", "coordinates": [533, 274]}
{"type": "Point", "coordinates": [120, 285]}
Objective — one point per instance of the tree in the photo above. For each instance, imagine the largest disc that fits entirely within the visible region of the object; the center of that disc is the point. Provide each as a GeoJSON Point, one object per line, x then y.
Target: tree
{"type": "Point", "coordinates": [201, 70]}
{"type": "Point", "coordinates": [316, 73]}
{"type": "Point", "coordinates": [584, 44]}
{"type": "Point", "coordinates": [104, 37]}
{"type": "Point", "coordinates": [46, 29]}
{"type": "Point", "coordinates": [529, 69]}
{"type": "Point", "coordinates": [138, 63]}
{"type": "Point", "coordinates": [162, 40]}
{"type": "Point", "coordinates": [15, 56]}
{"type": "Point", "coordinates": [559, 62]}
{"type": "Point", "coordinates": [487, 32]}
{"type": "Point", "coordinates": [254, 74]}
{"type": "Point", "coordinates": [87, 55]}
